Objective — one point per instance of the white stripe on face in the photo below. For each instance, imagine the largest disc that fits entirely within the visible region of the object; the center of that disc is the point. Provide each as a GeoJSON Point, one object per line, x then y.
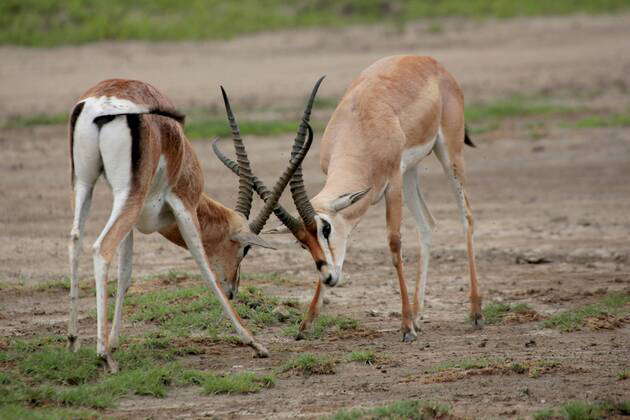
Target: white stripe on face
{"type": "Point", "coordinates": [334, 249]}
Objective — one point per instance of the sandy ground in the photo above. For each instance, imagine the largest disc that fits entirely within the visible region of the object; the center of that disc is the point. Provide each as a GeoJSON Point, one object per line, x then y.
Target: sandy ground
{"type": "Point", "coordinates": [564, 197]}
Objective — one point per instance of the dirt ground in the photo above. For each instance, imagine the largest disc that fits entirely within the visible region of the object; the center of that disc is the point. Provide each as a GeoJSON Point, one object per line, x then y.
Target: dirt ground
{"type": "Point", "coordinates": [564, 197]}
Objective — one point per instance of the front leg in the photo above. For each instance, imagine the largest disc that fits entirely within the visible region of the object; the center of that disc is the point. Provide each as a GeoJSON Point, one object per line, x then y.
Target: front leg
{"type": "Point", "coordinates": [188, 225]}
{"type": "Point", "coordinates": [393, 202]}
{"type": "Point", "coordinates": [313, 310]}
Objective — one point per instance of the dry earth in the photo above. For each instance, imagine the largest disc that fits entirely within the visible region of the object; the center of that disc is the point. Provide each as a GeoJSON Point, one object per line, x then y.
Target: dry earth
{"type": "Point", "coordinates": [564, 197]}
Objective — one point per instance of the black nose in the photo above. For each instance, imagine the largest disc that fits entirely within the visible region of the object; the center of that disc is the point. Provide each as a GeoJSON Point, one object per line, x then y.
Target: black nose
{"type": "Point", "coordinates": [328, 280]}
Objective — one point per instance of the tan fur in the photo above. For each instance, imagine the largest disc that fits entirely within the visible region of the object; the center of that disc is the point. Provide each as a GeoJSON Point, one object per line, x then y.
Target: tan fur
{"type": "Point", "coordinates": [394, 105]}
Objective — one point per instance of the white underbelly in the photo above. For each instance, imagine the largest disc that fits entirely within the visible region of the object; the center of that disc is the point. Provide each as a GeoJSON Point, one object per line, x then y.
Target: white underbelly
{"type": "Point", "coordinates": [411, 157]}
{"type": "Point", "coordinates": [156, 213]}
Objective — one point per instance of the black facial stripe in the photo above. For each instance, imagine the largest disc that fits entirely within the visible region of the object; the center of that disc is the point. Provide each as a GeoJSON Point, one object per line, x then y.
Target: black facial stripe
{"type": "Point", "coordinates": [319, 264]}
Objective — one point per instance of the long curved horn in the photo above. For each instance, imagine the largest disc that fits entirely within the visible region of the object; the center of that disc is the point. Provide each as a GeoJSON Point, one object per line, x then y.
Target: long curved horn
{"type": "Point", "coordinates": [245, 183]}
{"type": "Point", "coordinates": [300, 198]}
{"type": "Point", "coordinates": [259, 222]}
{"type": "Point", "coordinates": [285, 217]}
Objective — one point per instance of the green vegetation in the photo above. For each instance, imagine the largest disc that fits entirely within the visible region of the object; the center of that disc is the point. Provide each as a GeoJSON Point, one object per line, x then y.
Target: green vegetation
{"type": "Point", "coordinates": [50, 23]}
{"type": "Point", "coordinates": [368, 357]}
{"type": "Point", "coordinates": [41, 379]}
{"type": "Point", "coordinates": [322, 325]}
{"type": "Point", "coordinates": [414, 410]}
{"type": "Point", "coordinates": [513, 107]}
{"type": "Point", "coordinates": [211, 127]}
{"type": "Point", "coordinates": [20, 121]}
{"type": "Point", "coordinates": [622, 376]}
{"type": "Point", "coordinates": [465, 364]}
{"type": "Point", "coordinates": [582, 410]}
{"type": "Point", "coordinates": [612, 305]}
{"type": "Point", "coordinates": [310, 364]}
{"type": "Point", "coordinates": [494, 312]}
{"type": "Point", "coordinates": [182, 311]}
{"type": "Point", "coordinates": [613, 120]}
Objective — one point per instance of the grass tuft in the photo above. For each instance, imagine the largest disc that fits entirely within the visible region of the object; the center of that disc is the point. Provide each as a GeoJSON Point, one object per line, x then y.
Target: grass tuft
{"type": "Point", "coordinates": [613, 305]}
{"type": "Point", "coordinates": [322, 325]}
{"type": "Point", "coordinates": [584, 410]}
{"type": "Point", "coordinates": [310, 364]}
{"type": "Point", "coordinates": [414, 410]}
{"type": "Point", "coordinates": [496, 312]}
{"type": "Point", "coordinates": [237, 383]}
{"type": "Point", "coordinates": [596, 121]}
{"type": "Point", "coordinates": [367, 357]}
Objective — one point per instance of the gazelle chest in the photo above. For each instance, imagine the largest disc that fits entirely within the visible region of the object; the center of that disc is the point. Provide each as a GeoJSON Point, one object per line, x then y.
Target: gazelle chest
{"type": "Point", "coordinates": [156, 214]}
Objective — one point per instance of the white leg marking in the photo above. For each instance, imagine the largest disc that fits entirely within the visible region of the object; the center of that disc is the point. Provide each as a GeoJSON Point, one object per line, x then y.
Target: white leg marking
{"type": "Point", "coordinates": [125, 261]}
{"type": "Point", "coordinates": [424, 224]}
{"type": "Point", "coordinates": [186, 222]}
{"type": "Point", "coordinates": [458, 189]}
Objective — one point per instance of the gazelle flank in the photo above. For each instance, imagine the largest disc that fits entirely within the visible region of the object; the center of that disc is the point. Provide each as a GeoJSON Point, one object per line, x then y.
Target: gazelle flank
{"type": "Point", "coordinates": [395, 113]}
{"type": "Point", "coordinates": [131, 134]}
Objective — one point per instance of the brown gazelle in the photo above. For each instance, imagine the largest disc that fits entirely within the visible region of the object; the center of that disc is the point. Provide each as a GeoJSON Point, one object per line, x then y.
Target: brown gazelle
{"type": "Point", "coordinates": [129, 132]}
{"type": "Point", "coordinates": [398, 111]}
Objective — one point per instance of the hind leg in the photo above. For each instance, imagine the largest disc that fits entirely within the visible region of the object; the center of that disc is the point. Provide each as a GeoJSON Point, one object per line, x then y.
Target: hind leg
{"type": "Point", "coordinates": [453, 166]}
{"type": "Point", "coordinates": [125, 259]}
{"type": "Point", "coordinates": [424, 224]}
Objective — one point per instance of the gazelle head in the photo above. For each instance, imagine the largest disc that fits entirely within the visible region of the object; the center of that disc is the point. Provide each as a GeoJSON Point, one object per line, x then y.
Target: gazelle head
{"type": "Point", "coordinates": [321, 227]}
{"type": "Point", "coordinates": [241, 233]}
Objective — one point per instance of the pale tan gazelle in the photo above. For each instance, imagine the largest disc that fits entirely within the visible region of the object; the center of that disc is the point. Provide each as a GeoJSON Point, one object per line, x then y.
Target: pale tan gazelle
{"type": "Point", "coordinates": [398, 111]}
{"type": "Point", "coordinates": [129, 132]}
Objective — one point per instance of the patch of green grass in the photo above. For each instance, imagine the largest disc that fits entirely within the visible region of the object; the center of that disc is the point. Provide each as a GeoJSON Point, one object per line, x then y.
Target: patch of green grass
{"type": "Point", "coordinates": [615, 304]}
{"type": "Point", "coordinates": [237, 383]}
{"type": "Point", "coordinates": [322, 325]}
{"type": "Point", "coordinates": [515, 106]}
{"type": "Point", "coordinates": [49, 23]}
{"type": "Point", "coordinates": [186, 310]}
{"type": "Point", "coordinates": [414, 410]}
{"type": "Point", "coordinates": [22, 121]}
{"type": "Point", "coordinates": [14, 411]}
{"type": "Point", "coordinates": [310, 364]}
{"type": "Point", "coordinates": [211, 127]}
{"type": "Point", "coordinates": [465, 364]}
{"type": "Point", "coordinates": [622, 376]}
{"type": "Point", "coordinates": [584, 410]}
{"type": "Point", "coordinates": [596, 121]}
{"type": "Point", "coordinates": [367, 356]}
{"type": "Point", "coordinates": [61, 366]}
{"type": "Point", "coordinates": [494, 312]}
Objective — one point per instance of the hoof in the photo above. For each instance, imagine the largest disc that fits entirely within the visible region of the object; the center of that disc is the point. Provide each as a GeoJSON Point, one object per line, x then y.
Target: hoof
{"type": "Point", "coordinates": [299, 336]}
{"type": "Point", "coordinates": [261, 351]}
{"type": "Point", "coordinates": [110, 364]}
{"type": "Point", "coordinates": [409, 337]}
{"type": "Point", "coordinates": [477, 321]}
{"type": "Point", "coordinates": [73, 343]}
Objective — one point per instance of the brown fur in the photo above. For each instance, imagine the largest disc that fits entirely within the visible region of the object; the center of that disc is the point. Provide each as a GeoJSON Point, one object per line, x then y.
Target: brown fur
{"type": "Point", "coordinates": [394, 105]}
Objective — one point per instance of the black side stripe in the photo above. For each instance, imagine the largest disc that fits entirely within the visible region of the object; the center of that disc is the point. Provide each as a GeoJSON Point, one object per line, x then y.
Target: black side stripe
{"type": "Point", "coordinates": [73, 121]}
{"type": "Point", "coordinates": [133, 121]}
{"type": "Point", "coordinates": [170, 113]}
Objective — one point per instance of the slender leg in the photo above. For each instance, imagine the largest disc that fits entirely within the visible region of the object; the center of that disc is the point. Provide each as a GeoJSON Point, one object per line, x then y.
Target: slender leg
{"type": "Point", "coordinates": [453, 168]}
{"type": "Point", "coordinates": [188, 225]}
{"type": "Point", "coordinates": [313, 310]}
{"type": "Point", "coordinates": [125, 261]}
{"type": "Point", "coordinates": [82, 201]}
{"type": "Point", "coordinates": [393, 201]}
{"type": "Point", "coordinates": [424, 224]}
{"type": "Point", "coordinates": [119, 225]}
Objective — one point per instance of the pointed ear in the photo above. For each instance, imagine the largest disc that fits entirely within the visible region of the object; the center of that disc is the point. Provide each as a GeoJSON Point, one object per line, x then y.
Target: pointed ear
{"type": "Point", "coordinates": [278, 230]}
{"type": "Point", "coordinates": [348, 199]}
{"type": "Point", "coordinates": [249, 238]}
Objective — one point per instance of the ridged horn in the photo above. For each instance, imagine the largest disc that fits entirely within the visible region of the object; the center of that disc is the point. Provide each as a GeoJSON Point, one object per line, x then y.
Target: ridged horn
{"type": "Point", "coordinates": [285, 217]}
{"type": "Point", "coordinates": [300, 198]}
{"type": "Point", "coordinates": [258, 223]}
{"type": "Point", "coordinates": [245, 183]}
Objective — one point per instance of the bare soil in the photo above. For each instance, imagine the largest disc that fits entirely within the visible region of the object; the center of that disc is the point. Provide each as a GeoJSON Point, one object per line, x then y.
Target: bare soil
{"type": "Point", "coordinates": [563, 198]}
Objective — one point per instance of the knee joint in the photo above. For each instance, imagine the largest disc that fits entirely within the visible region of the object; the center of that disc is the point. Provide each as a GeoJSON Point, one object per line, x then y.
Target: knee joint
{"type": "Point", "coordinates": [394, 244]}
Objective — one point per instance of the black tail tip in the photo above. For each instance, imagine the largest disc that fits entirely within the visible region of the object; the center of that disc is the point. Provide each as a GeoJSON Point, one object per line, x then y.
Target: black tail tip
{"type": "Point", "coordinates": [467, 139]}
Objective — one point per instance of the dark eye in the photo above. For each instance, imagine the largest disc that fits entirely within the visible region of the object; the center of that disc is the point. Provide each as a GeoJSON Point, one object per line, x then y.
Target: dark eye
{"type": "Point", "coordinates": [246, 250]}
{"type": "Point", "coordinates": [326, 229]}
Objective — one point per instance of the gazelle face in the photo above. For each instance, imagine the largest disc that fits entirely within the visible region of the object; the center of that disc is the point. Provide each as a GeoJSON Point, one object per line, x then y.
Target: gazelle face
{"type": "Point", "coordinates": [225, 257]}
{"type": "Point", "coordinates": [327, 246]}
